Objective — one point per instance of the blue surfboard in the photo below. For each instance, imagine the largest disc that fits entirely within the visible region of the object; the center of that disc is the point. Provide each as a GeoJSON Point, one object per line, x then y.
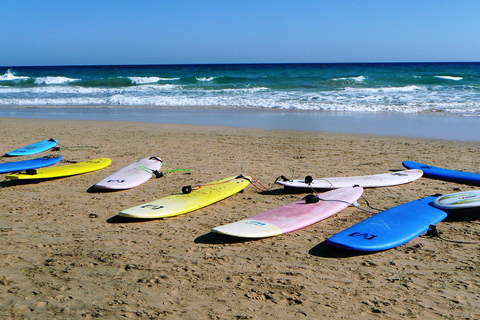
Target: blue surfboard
{"type": "Point", "coordinates": [390, 228]}
{"type": "Point", "coordinates": [444, 174]}
{"type": "Point", "coordinates": [29, 164]}
{"type": "Point", "coordinates": [33, 148]}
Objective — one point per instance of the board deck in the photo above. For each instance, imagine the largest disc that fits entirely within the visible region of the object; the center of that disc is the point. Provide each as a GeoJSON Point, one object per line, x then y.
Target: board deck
{"type": "Point", "coordinates": [459, 200]}
{"type": "Point", "coordinates": [368, 181]}
{"type": "Point", "coordinates": [444, 174]}
{"type": "Point", "coordinates": [29, 164]}
{"type": "Point", "coordinates": [183, 202]}
{"type": "Point", "coordinates": [33, 148]}
{"type": "Point", "coordinates": [62, 171]}
{"type": "Point", "coordinates": [390, 228]}
{"type": "Point", "coordinates": [132, 175]}
{"type": "Point", "coordinates": [293, 216]}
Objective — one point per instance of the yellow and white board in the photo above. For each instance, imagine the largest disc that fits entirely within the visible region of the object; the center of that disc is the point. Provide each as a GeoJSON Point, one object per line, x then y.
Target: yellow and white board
{"type": "Point", "coordinates": [186, 201]}
{"type": "Point", "coordinates": [62, 171]}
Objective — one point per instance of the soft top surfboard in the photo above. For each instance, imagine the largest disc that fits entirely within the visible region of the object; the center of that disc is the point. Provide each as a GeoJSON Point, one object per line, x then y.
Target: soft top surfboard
{"type": "Point", "coordinates": [390, 228]}
{"type": "Point", "coordinates": [444, 174]}
{"type": "Point", "coordinates": [62, 171]}
{"type": "Point", "coordinates": [29, 164]}
{"type": "Point", "coordinates": [368, 181]}
{"type": "Point", "coordinates": [132, 175]}
{"type": "Point", "coordinates": [293, 216]}
{"type": "Point", "coordinates": [459, 200]}
{"type": "Point", "coordinates": [191, 198]}
{"type": "Point", "coordinates": [33, 148]}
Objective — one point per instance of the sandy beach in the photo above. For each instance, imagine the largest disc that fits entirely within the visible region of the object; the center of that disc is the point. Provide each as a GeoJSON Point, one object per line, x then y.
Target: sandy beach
{"type": "Point", "coordinates": [65, 254]}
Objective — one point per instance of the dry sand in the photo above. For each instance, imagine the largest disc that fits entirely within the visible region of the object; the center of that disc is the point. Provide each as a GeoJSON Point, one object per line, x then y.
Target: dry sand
{"type": "Point", "coordinates": [65, 254]}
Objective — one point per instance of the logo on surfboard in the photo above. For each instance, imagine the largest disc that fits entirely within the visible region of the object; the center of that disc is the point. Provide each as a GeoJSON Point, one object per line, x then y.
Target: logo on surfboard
{"type": "Point", "coordinates": [255, 223]}
{"type": "Point", "coordinates": [365, 236]}
{"type": "Point", "coordinates": [151, 206]}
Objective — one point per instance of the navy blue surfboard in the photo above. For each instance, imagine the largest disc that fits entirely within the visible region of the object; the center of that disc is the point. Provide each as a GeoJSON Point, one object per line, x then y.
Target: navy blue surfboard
{"type": "Point", "coordinates": [390, 228]}
{"type": "Point", "coordinates": [444, 174]}
{"type": "Point", "coordinates": [33, 148]}
{"type": "Point", "coordinates": [29, 164]}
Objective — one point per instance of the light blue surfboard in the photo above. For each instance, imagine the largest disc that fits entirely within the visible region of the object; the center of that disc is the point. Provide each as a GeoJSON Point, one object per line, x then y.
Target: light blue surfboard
{"type": "Point", "coordinates": [29, 164]}
{"type": "Point", "coordinates": [33, 148]}
{"type": "Point", "coordinates": [390, 228]}
{"type": "Point", "coordinates": [444, 174]}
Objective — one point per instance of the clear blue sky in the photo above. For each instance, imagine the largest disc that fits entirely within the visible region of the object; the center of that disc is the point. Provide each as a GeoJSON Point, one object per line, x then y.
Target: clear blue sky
{"type": "Point", "coordinates": [68, 32]}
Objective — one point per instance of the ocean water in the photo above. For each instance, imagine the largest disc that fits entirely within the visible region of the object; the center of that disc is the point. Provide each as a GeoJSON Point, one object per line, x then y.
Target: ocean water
{"type": "Point", "coordinates": [447, 88]}
{"type": "Point", "coordinates": [433, 100]}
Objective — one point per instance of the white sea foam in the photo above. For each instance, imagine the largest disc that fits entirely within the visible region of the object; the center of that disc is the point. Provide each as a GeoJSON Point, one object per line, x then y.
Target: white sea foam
{"type": "Point", "coordinates": [10, 75]}
{"type": "Point", "coordinates": [144, 80]}
{"type": "Point", "coordinates": [406, 99]}
{"type": "Point", "coordinates": [205, 79]}
{"type": "Point", "coordinates": [169, 79]}
{"type": "Point", "coordinates": [450, 78]}
{"type": "Point", "coordinates": [410, 88]}
{"type": "Point", "coordinates": [350, 79]}
{"type": "Point", "coordinates": [54, 80]}
{"type": "Point", "coordinates": [238, 90]}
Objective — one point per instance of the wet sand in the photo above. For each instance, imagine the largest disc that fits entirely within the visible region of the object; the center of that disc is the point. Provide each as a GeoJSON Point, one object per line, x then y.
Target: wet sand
{"type": "Point", "coordinates": [66, 254]}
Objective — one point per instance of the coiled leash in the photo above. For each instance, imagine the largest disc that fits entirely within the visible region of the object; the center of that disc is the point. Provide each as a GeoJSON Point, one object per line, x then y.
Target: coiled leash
{"type": "Point", "coordinates": [158, 174]}
{"type": "Point", "coordinates": [174, 170]}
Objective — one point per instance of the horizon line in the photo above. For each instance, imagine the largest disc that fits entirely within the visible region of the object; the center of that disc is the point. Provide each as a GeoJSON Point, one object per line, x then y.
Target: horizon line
{"type": "Point", "coordinates": [232, 63]}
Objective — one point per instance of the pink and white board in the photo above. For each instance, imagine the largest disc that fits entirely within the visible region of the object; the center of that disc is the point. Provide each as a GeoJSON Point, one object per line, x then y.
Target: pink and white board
{"type": "Point", "coordinates": [132, 175]}
{"type": "Point", "coordinates": [293, 216]}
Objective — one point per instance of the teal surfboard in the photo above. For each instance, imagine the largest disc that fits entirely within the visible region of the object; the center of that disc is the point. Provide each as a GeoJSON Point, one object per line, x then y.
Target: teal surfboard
{"type": "Point", "coordinates": [29, 164]}
{"type": "Point", "coordinates": [390, 228]}
{"type": "Point", "coordinates": [32, 148]}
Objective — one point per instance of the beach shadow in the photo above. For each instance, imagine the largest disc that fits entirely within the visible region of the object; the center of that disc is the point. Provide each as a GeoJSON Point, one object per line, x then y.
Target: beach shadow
{"type": "Point", "coordinates": [470, 214]}
{"type": "Point", "coordinates": [12, 183]}
{"type": "Point", "coordinates": [217, 238]}
{"type": "Point", "coordinates": [290, 190]}
{"type": "Point", "coordinates": [324, 250]}
{"type": "Point", "coordinates": [119, 219]}
{"type": "Point", "coordinates": [272, 192]}
{"type": "Point", "coordinates": [92, 189]}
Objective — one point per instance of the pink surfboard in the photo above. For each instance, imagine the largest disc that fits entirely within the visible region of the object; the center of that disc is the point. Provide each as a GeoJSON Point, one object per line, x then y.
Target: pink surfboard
{"type": "Point", "coordinates": [293, 216]}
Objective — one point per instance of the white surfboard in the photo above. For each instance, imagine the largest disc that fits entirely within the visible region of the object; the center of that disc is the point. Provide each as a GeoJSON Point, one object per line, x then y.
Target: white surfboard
{"type": "Point", "coordinates": [370, 181]}
{"type": "Point", "coordinates": [132, 175]}
{"type": "Point", "coordinates": [459, 200]}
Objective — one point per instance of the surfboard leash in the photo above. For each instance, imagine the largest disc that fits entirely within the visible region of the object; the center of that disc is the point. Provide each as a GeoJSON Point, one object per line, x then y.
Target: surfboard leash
{"type": "Point", "coordinates": [158, 174]}
{"type": "Point", "coordinates": [313, 197]}
{"type": "Point", "coordinates": [190, 188]}
{"type": "Point", "coordinates": [263, 188]}
{"type": "Point", "coordinates": [173, 170]}
{"type": "Point", "coordinates": [73, 148]}
{"type": "Point", "coordinates": [432, 232]}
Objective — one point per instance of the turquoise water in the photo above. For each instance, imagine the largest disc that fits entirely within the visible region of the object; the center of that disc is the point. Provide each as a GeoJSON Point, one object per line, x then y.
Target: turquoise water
{"type": "Point", "coordinates": [446, 88]}
{"type": "Point", "coordinates": [428, 100]}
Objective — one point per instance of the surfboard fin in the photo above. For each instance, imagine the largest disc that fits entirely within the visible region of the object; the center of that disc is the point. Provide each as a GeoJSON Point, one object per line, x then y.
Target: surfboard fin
{"type": "Point", "coordinates": [308, 180]}
{"type": "Point", "coordinates": [157, 174]}
{"type": "Point", "coordinates": [432, 231]}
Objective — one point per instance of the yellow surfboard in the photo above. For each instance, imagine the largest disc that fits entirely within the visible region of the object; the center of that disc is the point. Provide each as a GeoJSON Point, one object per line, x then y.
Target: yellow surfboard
{"type": "Point", "coordinates": [190, 199]}
{"type": "Point", "coordinates": [62, 171]}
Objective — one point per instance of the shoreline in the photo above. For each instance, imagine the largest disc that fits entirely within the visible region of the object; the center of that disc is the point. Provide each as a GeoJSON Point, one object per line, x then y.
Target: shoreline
{"type": "Point", "coordinates": [426, 126]}
{"type": "Point", "coordinates": [66, 254]}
